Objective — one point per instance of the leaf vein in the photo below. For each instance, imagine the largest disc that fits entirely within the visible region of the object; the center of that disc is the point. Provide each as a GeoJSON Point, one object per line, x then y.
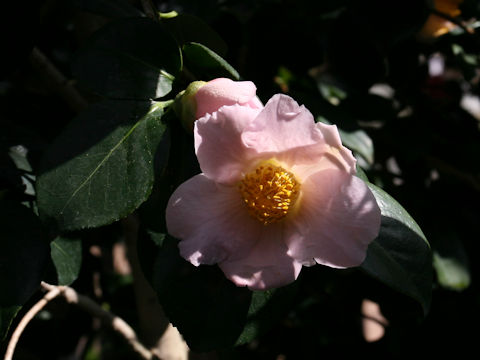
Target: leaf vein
{"type": "Point", "coordinates": [97, 168]}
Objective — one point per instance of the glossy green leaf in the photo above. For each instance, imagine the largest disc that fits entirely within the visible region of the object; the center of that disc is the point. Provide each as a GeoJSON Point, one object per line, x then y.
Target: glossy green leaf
{"type": "Point", "coordinates": [206, 64]}
{"type": "Point", "coordinates": [23, 257]}
{"type": "Point", "coordinates": [400, 256]}
{"type": "Point", "coordinates": [361, 173]}
{"type": "Point", "coordinates": [209, 311]}
{"type": "Point", "coordinates": [132, 58]}
{"type": "Point", "coordinates": [101, 167]}
{"type": "Point", "coordinates": [188, 28]}
{"type": "Point", "coordinates": [66, 255]}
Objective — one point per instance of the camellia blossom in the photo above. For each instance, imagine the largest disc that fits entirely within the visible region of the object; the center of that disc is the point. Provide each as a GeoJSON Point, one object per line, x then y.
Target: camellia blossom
{"type": "Point", "coordinates": [277, 191]}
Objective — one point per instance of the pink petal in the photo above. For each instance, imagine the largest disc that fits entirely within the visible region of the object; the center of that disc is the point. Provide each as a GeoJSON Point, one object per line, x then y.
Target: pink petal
{"type": "Point", "coordinates": [280, 126]}
{"type": "Point", "coordinates": [220, 92]}
{"type": "Point", "coordinates": [266, 266]}
{"type": "Point", "coordinates": [344, 156]}
{"type": "Point", "coordinates": [330, 134]}
{"type": "Point", "coordinates": [306, 160]}
{"type": "Point", "coordinates": [211, 221]}
{"type": "Point", "coordinates": [287, 129]}
{"type": "Point", "coordinates": [220, 151]}
{"type": "Point", "coordinates": [337, 219]}
{"type": "Point", "coordinates": [255, 103]}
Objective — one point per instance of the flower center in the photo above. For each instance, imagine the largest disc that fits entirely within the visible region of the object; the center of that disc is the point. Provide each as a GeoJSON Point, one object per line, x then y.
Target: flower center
{"type": "Point", "coordinates": [269, 192]}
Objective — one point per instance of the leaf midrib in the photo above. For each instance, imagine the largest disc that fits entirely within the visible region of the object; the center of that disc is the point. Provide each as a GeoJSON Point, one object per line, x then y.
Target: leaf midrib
{"type": "Point", "coordinates": [104, 160]}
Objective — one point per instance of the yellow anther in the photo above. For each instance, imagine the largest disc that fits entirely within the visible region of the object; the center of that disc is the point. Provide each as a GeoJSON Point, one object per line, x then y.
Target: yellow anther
{"type": "Point", "coordinates": [269, 192]}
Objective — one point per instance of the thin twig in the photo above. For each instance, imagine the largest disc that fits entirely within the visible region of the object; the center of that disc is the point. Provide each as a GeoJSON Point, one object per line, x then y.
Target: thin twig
{"type": "Point", "coordinates": [148, 307]}
{"type": "Point", "coordinates": [86, 304]}
{"type": "Point", "coordinates": [51, 294]}
{"type": "Point", "coordinates": [57, 81]}
{"type": "Point", "coordinates": [155, 330]}
{"type": "Point", "coordinates": [115, 322]}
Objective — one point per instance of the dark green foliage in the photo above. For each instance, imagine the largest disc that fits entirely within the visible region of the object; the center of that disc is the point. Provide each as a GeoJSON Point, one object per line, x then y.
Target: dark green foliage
{"type": "Point", "coordinates": [133, 58]}
{"type": "Point", "coordinates": [66, 255]}
{"type": "Point", "coordinates": [206, 64]}
{"type": "Point", "coordinates": [100, 168]}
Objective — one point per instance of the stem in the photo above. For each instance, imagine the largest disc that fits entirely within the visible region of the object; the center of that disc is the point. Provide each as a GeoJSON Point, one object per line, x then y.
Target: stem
{"type": "Point", "coordinates": [155, 329]}
{"type": "Point", "coordinates": [86, 304]}
{"type": "Point", "coordinates": [57, 81]}
{"type": "Point", "coordinates": [52, 294]}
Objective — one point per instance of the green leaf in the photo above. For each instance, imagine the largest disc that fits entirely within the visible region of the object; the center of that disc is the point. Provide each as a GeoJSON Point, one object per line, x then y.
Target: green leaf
{"type": "Point", "coordinates": [452, 273]}
{"type": "Point", "coordinates": [208, 310]}
{"type": "Point", "coordinates": [330, 92]}
{"type": "Point", "coordinates": [66, 255]}
{"type": "Point", "coordinates": [206, 64]}
{"type": "Point", "coordinates": [361, 173]}
{"type": "Point", "coordinates": [132, 58]}
{"type": "Point", "coordinates": [101, 167]}
{"type": "Point", "coordinates": [188, 28]}
{"type": "Point", "coordinates": [23, 257]}
{"type": "Point", "coordinates": [400, 256]}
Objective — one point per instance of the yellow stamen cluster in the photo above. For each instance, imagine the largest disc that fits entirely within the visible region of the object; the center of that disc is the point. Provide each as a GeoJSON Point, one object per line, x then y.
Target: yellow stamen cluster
{"type": "Point", "coordinates": [269, 192]}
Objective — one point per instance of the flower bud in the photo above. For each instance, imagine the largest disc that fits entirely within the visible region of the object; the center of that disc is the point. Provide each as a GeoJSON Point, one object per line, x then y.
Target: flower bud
{"type": "Point", "coordinates": [201, 98]}
{"type": "Point", "coordinates": [185, 105]}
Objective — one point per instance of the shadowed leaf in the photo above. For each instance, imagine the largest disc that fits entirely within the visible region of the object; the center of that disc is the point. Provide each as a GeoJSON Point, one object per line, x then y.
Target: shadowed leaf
{"type": "Point", "coordinates": [101, 168]}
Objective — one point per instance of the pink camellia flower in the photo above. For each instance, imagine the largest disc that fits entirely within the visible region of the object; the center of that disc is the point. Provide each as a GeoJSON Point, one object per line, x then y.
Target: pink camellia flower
{"type": "Point", "coordinates": [277, 191]}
